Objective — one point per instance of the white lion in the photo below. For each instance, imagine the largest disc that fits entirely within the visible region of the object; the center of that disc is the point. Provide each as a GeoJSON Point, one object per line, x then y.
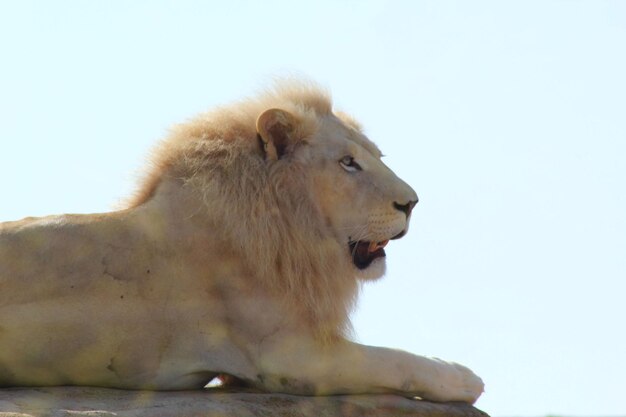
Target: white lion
{"type": "Point", "coordinates": [240, 256]}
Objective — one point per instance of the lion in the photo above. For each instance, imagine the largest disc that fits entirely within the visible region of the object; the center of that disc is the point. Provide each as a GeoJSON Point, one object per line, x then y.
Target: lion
{"type": "Point", "coordinates": [240, 256]}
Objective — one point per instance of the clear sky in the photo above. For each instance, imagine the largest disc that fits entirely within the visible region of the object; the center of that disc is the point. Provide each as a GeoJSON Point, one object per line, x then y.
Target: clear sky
{"type": "Point", "coordinates": [507, 117]}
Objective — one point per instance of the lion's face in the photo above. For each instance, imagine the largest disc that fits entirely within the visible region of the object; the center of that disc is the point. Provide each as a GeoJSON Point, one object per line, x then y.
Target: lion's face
{"type": "Point", "coordinates": [362, 200]}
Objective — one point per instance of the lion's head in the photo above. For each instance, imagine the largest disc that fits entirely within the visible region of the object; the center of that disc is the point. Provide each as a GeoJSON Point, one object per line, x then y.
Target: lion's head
{"type": "Point", "coordinates": [364, 204]}
{"type": "Point", "coordinates": [296, 190]}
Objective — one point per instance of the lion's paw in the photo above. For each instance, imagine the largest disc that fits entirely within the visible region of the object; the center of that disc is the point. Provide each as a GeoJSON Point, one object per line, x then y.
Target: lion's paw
{"type": "Point", "coordinates": [456, 383]}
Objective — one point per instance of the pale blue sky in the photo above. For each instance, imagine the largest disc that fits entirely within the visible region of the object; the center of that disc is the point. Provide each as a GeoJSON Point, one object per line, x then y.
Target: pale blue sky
{"type": "Point", "coordinates": [508, 118]}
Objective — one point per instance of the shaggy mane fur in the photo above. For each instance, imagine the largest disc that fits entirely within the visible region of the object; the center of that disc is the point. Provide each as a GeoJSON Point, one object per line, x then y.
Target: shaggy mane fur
{"type": "Point", "coordinates": [265, 210]}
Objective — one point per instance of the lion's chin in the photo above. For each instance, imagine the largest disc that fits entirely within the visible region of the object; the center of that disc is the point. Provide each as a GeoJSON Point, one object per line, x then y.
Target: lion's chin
{"type": "Point", "coordinates": [368, 259]}
{"type": "Point", "coordinates": [374, 271]}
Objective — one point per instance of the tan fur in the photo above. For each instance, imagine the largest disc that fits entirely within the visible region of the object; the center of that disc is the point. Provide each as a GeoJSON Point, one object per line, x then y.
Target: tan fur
{"type": "Point", "coordinates": [217, 154]}
{"type": "Point", "coordinates": [233, 257]}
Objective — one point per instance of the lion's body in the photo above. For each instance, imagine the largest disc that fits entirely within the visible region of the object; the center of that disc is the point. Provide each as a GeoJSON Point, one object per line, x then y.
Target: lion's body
{"type": "Point", "coordinates": [116, 319]}
{"type": "Point", "coordinates": [240, 255]}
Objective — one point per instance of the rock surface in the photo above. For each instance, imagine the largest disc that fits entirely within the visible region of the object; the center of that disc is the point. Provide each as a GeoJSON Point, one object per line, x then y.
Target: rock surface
{"type": "Point", "coordinates": [97, 402]}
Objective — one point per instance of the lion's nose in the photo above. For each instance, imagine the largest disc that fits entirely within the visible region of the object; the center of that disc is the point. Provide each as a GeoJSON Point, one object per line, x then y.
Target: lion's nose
{"type": "Point", "coordinates": [406, 208]}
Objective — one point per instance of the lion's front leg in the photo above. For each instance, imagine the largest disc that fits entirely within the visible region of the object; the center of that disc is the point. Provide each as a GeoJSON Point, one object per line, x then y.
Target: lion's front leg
{"type": "Point", "coordinates": [350, 368]}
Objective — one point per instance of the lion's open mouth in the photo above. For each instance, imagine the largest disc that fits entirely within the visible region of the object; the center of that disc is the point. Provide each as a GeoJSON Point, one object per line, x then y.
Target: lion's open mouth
{"type": "Point", "coordinates": [363, 252]}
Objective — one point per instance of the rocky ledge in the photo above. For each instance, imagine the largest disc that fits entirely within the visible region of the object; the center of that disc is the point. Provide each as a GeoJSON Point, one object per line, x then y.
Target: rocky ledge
{"type": "Point", "coordinates": [97, 402]}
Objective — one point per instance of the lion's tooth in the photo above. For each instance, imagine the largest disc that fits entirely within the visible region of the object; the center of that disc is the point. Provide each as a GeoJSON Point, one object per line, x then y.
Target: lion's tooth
{"type": "Point", "coordinates": [373, 247]}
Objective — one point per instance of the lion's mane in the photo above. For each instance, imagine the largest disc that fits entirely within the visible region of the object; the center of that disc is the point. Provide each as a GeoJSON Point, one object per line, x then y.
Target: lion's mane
{"type": "Point", "coordinates": [266, 211]}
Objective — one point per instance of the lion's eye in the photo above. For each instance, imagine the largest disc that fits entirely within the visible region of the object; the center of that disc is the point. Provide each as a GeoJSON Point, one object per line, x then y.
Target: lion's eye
{"type": "Point", "coordinates": [348, 163]}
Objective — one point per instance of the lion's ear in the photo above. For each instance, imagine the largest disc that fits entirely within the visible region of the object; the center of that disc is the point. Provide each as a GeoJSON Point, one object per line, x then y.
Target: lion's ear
{"type": "Point", "coordinates": [275, 128]}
